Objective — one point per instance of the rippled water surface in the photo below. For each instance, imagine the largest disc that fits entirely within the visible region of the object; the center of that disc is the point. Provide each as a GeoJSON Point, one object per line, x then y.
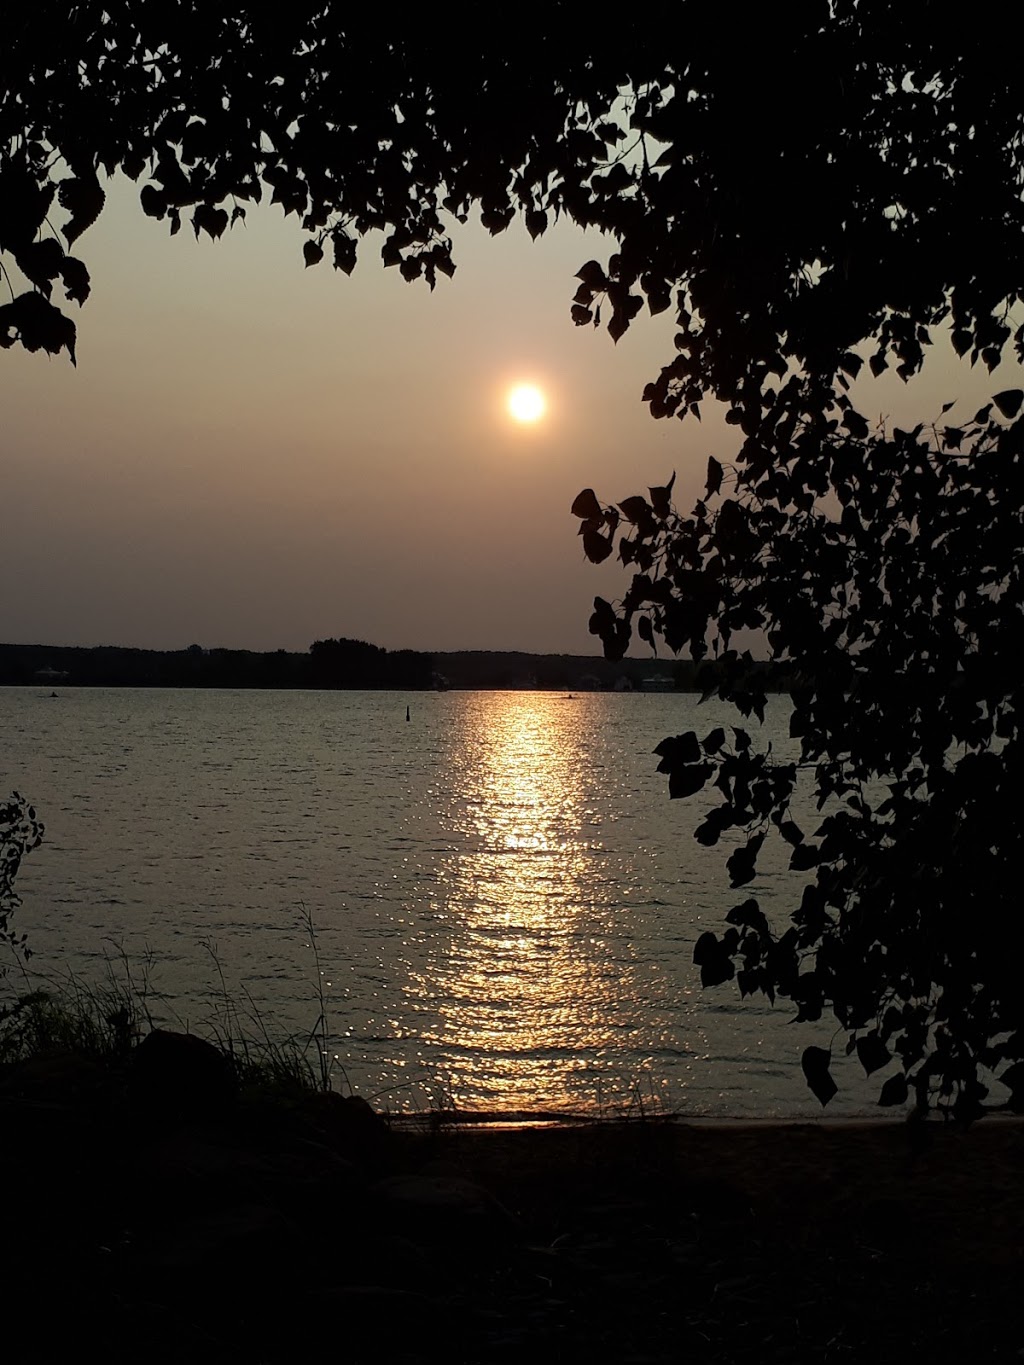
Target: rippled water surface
{"type": "Point", "coordinates": [505, 901]}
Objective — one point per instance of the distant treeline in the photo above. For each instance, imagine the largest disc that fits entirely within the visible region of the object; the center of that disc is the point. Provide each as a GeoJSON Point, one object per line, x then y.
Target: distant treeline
{"type": "Point", "coordinates": [349, 664]}
{"type": "Point", "coordinates": [327, 664]}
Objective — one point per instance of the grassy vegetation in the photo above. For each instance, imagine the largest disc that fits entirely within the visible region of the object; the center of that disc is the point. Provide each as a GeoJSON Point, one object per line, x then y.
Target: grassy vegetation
{"type": "Point", "coordinates": [103, 1024]}
{"type": "Point", "coordinates": [98, 1023]}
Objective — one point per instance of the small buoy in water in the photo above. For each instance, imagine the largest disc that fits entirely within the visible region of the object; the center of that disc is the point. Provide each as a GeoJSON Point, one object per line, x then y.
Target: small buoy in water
{"type": "Point", "coordinates": [407, 716]}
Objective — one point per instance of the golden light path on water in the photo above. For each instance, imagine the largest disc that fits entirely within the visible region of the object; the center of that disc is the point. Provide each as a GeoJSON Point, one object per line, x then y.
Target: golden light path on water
{"type": "Point", "coordinates": [529, 987]}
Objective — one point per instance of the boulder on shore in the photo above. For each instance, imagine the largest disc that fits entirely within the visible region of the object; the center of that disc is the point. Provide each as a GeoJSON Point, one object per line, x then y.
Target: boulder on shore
{"type": "Point", "coordinates": [177, 1075]}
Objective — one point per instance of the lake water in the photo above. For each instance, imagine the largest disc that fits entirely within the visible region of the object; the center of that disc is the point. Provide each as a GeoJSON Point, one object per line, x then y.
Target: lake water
{"type": "Point", "coordinates": [504, 900]}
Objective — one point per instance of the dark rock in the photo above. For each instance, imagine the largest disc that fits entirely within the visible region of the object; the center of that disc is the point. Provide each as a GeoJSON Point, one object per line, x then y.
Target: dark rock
{"type": "Point", "coordinates": [352, 1128]}
{"type": "Point", "coordinates": [177, 1075]}
{"type": "Point", "coordinates": [199, 1169]}
{"type": "Point", "coordinates": [443, 1210]}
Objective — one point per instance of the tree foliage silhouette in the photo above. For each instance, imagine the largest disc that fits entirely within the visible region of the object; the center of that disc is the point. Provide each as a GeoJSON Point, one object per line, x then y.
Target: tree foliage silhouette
{"type": "Point", "coordinates": [20, 833]}
{"type": "Point", "coordinates": [824, 191]}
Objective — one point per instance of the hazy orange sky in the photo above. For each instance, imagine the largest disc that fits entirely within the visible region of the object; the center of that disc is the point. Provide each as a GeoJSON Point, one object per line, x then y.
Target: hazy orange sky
{"type": "Point", "coordinates": [255, 455]}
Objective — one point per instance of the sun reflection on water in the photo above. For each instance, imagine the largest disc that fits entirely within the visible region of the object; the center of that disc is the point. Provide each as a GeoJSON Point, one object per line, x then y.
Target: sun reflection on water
{"type": "Point", "coordinates": [533, 991]}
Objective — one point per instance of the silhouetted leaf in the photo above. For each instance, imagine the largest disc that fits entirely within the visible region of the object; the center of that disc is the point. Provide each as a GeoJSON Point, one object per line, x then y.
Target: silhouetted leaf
{"type": "Point", "coordinates": [496, 220]}
{"type": "Point", "coordinates": [711, 828]}
{"type": "Point", "coordinates": [742, 865]}
{"type": "Point", "coordinates": [210, 220]}
{"type": "Point", "coordinates": [678, 750]}
{"type": "Point", "coordinates": [618, 324]}
{"type": "Point", "coordinates": [804, 857]}
{"type": "Point", "coordinates": [894, 1091]}
{"type": "Point", "coordinates": [855, 424]}
{"type": "Point", "coordinates": [816, 1062]}
{"type": "Point", "coordinates": [153, 201]}
{"type": "Point", "coordinates": [593, 277]}
{"type": "Point", "coordinates": [714, 740]}
{"type": "Point", "coordinates": [37, 324]}
{"type": "Point", "coordinates": [683, 782]}
{"type": "Point", "coordinates": [602, 620]}
{"type": "Point", "coordinates": [1008, 402]}
{"type": "Point", "coordinates": [872, 1053]}
{"type": "Point", "coordinates": [312, 252]}
{"type": "Point", "coordinates": [83, 196]}
{"type": "Point", "coordinates": [596, 546]}
{"type": "Point", "coordinates": [715, 472]}
{"type": "Point", "coordinates": [40, 262]}
{"type": "Point", "coordinates": [635, 509]}
{"type": "Point", "coordinates": [749, 915]}
{"type": "Point", "coordinates": [714, 961]}
{"type": "Point", "coordinates": [661, 499]}
{"type": "Point", "coordinates": [586, 505]}
{"type": "Point", "coordinates": [76, 279]}
{"type": "Point", "coordinates": [344, 252]}
{"type": "Point", "coordinates": [133, 164]}
{"type": "Point", "coordinates": [441, 257]}
{"type": "Point", "coordinates": [536, 222]}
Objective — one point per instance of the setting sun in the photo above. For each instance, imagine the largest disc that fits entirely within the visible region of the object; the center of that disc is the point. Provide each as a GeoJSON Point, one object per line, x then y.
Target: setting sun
{"type": "Point", "coordinates": [526, 403]}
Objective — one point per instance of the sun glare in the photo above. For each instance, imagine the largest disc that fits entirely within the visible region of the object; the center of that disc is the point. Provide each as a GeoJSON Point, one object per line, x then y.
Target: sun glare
{"type": "Point", "coordinates": [526, 403]}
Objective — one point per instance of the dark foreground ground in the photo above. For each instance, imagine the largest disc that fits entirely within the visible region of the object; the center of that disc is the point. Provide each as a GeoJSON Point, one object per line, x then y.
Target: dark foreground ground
{"type": "Point", "coordinates": [263, 1229]}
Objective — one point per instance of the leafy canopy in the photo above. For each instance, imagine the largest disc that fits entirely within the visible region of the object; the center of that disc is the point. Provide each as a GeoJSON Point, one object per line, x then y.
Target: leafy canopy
{"type": "Point", "coordinates": [826, 189]}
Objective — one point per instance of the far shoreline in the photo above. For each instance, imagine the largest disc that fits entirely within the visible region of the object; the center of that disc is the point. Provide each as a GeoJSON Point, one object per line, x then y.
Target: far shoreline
{"type": "Point", "coordinates": [342, 665]}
